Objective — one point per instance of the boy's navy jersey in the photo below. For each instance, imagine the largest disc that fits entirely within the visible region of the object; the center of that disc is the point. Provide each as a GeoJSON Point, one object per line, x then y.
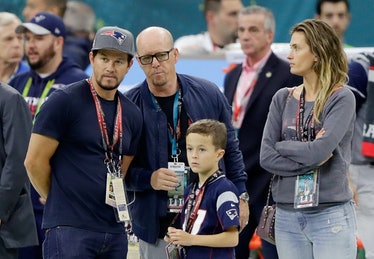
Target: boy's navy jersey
{"type": "Point", "coordinates": [218, 211]}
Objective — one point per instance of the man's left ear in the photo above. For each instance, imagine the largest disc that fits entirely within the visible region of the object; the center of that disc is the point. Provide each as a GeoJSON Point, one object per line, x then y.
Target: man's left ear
{"type": "Point", "coordinates": [60, 42]}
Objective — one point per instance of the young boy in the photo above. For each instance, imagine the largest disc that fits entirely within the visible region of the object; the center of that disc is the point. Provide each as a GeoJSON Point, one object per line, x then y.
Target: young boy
{"type": "Point", "coordinates": [210, 215]}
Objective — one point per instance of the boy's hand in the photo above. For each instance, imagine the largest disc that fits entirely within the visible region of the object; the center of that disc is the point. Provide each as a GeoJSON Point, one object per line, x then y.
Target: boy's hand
{"type": "Point", "coordinates": [178, 237]}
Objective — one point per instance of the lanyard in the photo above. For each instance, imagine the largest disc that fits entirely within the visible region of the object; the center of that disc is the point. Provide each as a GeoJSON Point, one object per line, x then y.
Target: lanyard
{"type": "Point", "coordinates": [112, 167]}
{"type": "Point", "coordinates": [45, 92]}
{"type": "Point", "coordinates": [238, 105]}
{"type": "Point", "coordinates": [194, 200]}
{"type": "Point", "coordinates": [173, 131]}
{"type": "Point", "coordinates": [305, 130]}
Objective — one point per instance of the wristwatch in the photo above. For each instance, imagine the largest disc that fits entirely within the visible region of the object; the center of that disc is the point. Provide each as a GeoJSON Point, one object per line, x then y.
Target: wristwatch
{"type": "Point", "coordinates": [244, 196]}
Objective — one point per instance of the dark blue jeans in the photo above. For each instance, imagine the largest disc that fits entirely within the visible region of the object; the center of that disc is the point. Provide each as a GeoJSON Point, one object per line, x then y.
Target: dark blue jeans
{"type": "Point", "coordinates": [69, 242]}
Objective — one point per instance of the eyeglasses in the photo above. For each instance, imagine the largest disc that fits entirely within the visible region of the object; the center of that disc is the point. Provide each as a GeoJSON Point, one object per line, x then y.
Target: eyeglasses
{"type": "Point", "coordinates": [160, 56]}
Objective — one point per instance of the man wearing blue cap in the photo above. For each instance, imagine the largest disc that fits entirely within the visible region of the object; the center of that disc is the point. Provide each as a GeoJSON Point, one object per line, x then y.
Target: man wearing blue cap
{"type": "Point", "coordinates": [44, 41]}
{"type": "Point", "coordinates": [44, 36]}
{"type": "Point", "coordinates": [83, 141]}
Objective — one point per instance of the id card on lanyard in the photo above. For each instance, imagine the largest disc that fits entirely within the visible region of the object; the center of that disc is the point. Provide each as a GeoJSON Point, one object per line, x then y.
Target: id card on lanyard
{"type": "Point", "coordinates": [120, 197]}
{"type": "Point", "coordinates": [115, 195]}
{"type": "Point", "coordinates": [176, 196]}
{"type": "Point", "coordinates": [306, 185]}
{"type": "Point", "coordinates": [306, 190]}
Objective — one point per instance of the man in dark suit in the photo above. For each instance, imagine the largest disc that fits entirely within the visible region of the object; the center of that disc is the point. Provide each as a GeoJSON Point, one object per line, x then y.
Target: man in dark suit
{"type": "Point", "coordinates": [17, 225]}
{"type": "Point", "coordinates": [249, 88]}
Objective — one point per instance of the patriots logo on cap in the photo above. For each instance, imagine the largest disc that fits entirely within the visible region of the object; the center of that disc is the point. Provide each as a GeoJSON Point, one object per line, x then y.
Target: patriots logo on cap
{"type": "Point", "coordinates": [115, 34]}
{"type": "Point", "coordinates": [39, 18]}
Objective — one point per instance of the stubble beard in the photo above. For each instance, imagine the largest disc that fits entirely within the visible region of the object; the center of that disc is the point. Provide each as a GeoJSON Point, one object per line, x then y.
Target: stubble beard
{"type": "Point", "coordinates": [43, 59]}
{"type": "Point", "coordinates": [105, 86]}
{"type": "Point", "coordinates": [159, 82]}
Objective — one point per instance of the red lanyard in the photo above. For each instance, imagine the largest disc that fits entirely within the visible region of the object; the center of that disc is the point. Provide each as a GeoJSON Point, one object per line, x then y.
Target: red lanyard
{"type": "Point", "coordinates": [194, 205]}
{"type": "Point", "coordinates": [117, 132]}
{"type": "Point", "coordinates": [239, 105]}
{"type": "Point", "coordinates": [194, 200]}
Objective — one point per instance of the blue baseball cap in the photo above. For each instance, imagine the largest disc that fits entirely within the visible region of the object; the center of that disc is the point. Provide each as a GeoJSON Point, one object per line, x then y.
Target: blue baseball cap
{"type": "Point", "coordinates": [43, 24]}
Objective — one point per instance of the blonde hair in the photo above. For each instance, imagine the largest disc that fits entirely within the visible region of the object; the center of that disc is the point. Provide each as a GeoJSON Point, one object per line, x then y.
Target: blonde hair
{"type": "Point", "coordinates": [331, 66]}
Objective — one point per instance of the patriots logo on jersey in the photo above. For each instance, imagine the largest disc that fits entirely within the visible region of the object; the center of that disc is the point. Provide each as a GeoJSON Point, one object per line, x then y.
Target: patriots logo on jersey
{"type": "Point", "coordinates": [115, 34]}
{"type": "Point", "coordinates": [232, 213]}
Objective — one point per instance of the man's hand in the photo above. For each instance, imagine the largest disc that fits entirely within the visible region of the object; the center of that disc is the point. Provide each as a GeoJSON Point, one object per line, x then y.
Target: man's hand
{"type": "Point", "coordinates": [164, 179]}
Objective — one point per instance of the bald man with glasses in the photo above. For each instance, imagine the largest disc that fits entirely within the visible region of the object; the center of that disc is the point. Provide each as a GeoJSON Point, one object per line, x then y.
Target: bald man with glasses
{"type": "Point", "coordinates": [170, 102]}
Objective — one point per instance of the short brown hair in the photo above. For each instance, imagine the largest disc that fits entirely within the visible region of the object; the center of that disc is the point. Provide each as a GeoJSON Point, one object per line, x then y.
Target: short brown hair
{"type": "Point", "coordinates": [208, 127]}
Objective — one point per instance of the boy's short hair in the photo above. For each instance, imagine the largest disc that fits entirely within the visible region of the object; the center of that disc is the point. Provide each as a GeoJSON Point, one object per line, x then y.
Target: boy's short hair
{"type": "Point", "coordinates": [208, 127]}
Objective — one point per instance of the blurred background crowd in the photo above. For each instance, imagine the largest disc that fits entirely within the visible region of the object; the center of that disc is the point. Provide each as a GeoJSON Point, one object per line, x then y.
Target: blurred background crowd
{"type": "Point", "coordinates": [187, 17]}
